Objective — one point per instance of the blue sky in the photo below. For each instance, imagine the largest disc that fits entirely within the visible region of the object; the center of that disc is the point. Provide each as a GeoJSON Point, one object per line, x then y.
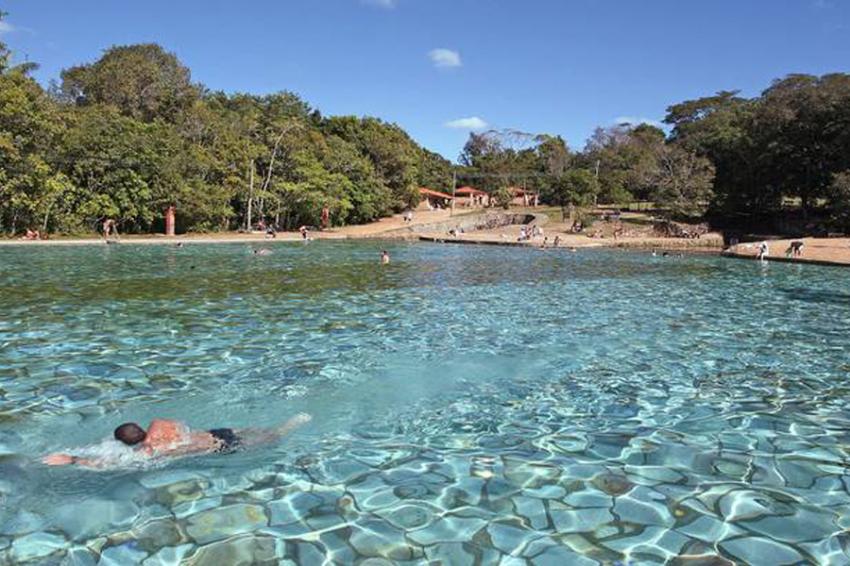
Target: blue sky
{"type": "Point", "coordinates": [543, 66]}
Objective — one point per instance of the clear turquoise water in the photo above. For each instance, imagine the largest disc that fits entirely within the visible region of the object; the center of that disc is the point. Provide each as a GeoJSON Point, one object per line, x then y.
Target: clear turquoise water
{"type": "Point", "coordinates": [471, 405]}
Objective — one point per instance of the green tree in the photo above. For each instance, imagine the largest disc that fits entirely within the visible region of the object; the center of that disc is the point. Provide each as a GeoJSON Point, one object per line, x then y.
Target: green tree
{"type": "Point", "coordinates": [575, 188]}
{"type": "Point", "coordinates": [143, 81]}
{"type": "Point", "coordinates": [683, 182]}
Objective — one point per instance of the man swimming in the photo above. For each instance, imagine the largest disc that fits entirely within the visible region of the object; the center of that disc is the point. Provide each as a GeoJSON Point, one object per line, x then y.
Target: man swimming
{"type": "Point", "coordinates": [173, 439]}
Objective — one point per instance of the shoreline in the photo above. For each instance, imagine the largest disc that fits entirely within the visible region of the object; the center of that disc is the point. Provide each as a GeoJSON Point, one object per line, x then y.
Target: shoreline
{"type": "Point", "coordinates": [833, 252]}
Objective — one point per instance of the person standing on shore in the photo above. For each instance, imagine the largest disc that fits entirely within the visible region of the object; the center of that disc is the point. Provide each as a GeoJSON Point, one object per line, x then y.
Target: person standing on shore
{"type": "Point", "coordinates": [109, 228]}
{"type": "Point", "coordinates": [764, 249]}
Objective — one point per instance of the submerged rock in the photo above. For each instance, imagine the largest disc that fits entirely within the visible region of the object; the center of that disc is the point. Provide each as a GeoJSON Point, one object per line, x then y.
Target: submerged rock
{"type": "Point", "coordinates": [613, 484]}
{"type": "Point", "coordinates": [223, 522]}
{"type": "Point", "coordinates": [36, 545]}
{"type": "Point", "coordinates": [241, 551]}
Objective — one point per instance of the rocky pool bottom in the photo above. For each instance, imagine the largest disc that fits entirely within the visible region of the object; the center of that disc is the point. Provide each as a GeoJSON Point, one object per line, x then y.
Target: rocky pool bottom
{"type": "Point", "coordinates": [471, 406]}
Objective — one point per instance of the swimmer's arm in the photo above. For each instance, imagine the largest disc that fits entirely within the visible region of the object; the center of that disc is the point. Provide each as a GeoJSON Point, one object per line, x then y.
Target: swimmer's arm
{"type": "Point", "coordinates": [60, 459]}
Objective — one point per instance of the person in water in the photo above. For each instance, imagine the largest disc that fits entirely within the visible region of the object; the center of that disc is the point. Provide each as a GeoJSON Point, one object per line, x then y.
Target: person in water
{"type": "Point", "coordinates": [173, 439]}
{"type": "Point", "coordinates": [385, 257]}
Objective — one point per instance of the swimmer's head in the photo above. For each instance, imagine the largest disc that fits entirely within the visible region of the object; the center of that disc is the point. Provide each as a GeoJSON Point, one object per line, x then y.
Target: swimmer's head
{"type": "Point", "coordinates": [130, 433]}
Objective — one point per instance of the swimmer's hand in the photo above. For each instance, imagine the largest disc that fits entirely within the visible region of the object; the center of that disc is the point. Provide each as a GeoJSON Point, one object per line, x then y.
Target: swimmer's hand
{"type": "Point", "coordinates": [293, 423]}
{"type": "Point", "coordinates": [300, 419]}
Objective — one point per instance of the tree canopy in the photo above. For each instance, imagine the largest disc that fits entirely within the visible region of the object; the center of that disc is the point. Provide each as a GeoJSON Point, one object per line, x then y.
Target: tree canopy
{"type": "Point", "coordinates": [129, 134]}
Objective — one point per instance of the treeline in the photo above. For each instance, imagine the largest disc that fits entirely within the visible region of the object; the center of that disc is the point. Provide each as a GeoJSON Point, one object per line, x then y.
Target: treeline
{"type": "Point", "coordinates": [619, 164]}
{"type": "Point", "coordinates": [131, 134]}
{"type": "Point", "coordinates": [738, 160]}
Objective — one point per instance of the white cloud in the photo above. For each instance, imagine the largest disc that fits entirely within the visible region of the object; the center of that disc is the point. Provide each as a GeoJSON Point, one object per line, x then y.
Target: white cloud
{"type": "Point", "coordinates": [388, 4]}
{"type": "Point", "coordinates": [471, 123]}
{"type": "Point", "coordinates": [6, 27]}
{"type": "Point", "coordinates": [445, 57]}
{"type": "Point", "coordinates": [635, 120]}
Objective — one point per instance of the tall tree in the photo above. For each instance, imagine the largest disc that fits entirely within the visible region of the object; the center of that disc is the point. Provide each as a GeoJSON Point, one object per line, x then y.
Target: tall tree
{"type": "Point", "coordinates": [143, 81]}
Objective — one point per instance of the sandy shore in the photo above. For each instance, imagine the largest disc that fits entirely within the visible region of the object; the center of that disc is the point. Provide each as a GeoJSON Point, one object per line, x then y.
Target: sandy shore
{"type": "Point", "coordinates": [507, 235]}
{"type": "Point", "coordinates": [373, 229]}
{"type": "Point", "coordinates": [823, 251]}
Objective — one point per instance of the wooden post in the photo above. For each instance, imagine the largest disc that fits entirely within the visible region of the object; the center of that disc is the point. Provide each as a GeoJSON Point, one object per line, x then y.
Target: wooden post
{"type": "Point", "coordinates": [169, 221]}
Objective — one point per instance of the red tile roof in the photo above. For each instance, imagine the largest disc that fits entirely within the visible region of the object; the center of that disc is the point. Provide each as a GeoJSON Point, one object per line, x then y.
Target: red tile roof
{"type": "Point", "coordinates": [432, 193]}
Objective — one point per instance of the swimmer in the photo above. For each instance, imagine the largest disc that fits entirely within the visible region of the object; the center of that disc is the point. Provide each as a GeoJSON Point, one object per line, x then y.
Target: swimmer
{"type": "Point", "coordinates": [263, 251]}
{"type": "Point", "coordinates": [304, 233]}
{"type": "Point", "coordinates": [385, 257]}
{"type": "Point", "coordinates": [173, 439]}
{"type": "Point", "coordinates": [179, 244]}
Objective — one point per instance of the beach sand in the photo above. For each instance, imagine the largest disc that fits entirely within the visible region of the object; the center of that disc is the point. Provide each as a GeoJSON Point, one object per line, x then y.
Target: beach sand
{"type": "Point", "coordinates": [827, 251]}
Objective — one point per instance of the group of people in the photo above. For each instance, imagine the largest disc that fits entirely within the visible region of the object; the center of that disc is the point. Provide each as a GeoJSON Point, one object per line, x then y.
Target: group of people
{"type": "Point", "coordinates": [794, 249]}
{"type": "Point", "coordinates": [526, 233]}
{"type": "Point", "coordinates": [32, 235]}
{"type": "Point", "coordinates": [269, 229]}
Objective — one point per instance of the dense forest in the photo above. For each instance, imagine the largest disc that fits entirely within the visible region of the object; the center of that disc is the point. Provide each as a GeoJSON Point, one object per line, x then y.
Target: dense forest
{"type": "Point", "coordinates": [131, 133]}
{"type": "Point", "coordinates": [740, 161]}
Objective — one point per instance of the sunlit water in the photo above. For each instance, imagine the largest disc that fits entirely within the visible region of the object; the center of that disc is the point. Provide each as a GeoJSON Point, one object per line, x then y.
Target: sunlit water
{"type": "Point", "coordinates": [470, 404]}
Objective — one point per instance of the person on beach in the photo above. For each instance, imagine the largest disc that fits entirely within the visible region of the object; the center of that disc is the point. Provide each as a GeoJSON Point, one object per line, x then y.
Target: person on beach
{"type": "Point", "coordinates": [166, 438]}
{"type": "Point", "coordinates": [764, 249]}
{"type": "Point", "coordinates": [109, 228]}
{"type": "Point", "coordinates": [385, 257]}
{"type": "Point", "coordinates": [304, 233]}
{"type": "Point", "coordinates": [557, 241]}
{"type": "Point", "coordinates": [795, 249]}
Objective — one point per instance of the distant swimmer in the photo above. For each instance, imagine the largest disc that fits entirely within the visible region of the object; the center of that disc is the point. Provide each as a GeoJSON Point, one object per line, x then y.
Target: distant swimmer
{"type": "Point", "coordinates": [304, 233]}
{"type": "Point", "coordinates": [179, 244]}
{"type": "Point", "coordinates": [166, 439]}
{"type": "Point", "coordinates": [385, 257]}
{"type": "Point", "coordinates": [263, 251]}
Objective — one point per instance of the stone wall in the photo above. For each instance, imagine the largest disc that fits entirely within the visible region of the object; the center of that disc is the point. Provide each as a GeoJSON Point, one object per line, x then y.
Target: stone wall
{"type": "Point", "coordinates": [470, 223]}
